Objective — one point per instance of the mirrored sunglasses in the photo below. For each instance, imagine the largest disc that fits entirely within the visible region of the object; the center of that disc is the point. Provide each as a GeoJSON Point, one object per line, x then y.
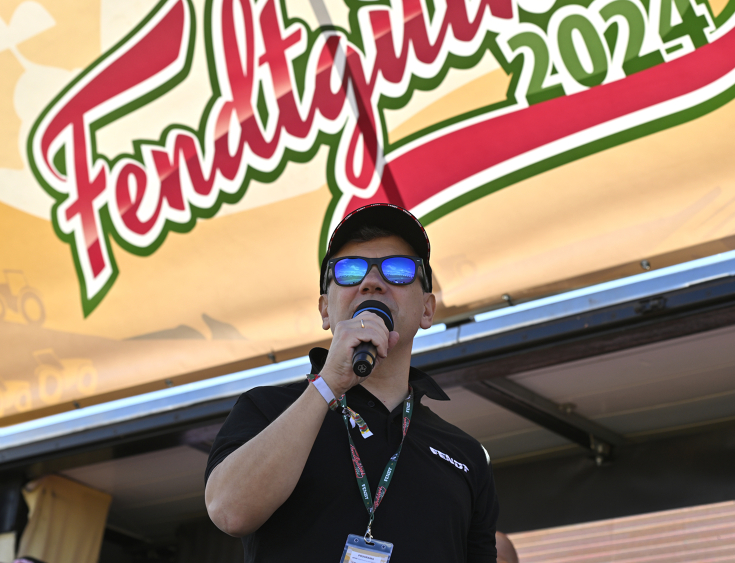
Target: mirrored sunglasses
{"type": "Point", "coordinates": [397, 270]}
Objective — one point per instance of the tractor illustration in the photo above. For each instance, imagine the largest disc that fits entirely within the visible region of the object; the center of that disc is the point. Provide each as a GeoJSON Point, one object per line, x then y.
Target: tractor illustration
{"type": "Point", "coordinates": [18, 296]}
{"type": "Point", "coordinates": [55, 376]}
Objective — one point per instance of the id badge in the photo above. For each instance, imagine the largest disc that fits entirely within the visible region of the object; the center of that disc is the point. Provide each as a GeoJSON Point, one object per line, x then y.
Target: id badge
{"type": "Point", "coordinates": [357, 550]}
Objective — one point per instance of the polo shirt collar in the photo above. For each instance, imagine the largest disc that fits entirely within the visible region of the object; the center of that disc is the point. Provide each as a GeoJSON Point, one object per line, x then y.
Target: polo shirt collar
{"type": "Point", "coordinates": [422, 384]}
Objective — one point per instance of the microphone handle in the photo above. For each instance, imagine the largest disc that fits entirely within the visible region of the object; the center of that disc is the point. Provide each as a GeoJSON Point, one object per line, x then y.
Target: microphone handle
{"type": "Point", "coordinates": [363, 359]}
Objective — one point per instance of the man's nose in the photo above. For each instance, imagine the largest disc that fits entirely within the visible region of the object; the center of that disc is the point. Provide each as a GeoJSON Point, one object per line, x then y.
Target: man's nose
{"type": "Point", "coordinates": [373, 281]}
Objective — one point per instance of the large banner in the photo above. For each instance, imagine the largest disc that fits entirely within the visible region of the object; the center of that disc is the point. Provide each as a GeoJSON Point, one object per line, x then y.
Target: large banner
{"type": "Point", "coordinates": [170, 172]}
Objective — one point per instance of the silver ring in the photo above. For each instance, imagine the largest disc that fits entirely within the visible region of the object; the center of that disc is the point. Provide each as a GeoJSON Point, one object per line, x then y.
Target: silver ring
{"type": "Point", "coordinates": [362, 324]}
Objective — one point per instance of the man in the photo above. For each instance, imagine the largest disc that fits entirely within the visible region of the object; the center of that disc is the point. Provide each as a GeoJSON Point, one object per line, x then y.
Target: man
{"type": "Point", "coordinates": [506, 550]}
{"type": "Point", "coordinates": [296, 478]}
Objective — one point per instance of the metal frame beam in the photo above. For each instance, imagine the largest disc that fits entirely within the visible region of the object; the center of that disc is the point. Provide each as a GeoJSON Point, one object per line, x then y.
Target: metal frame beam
{"type": "Point", "coordinates": [696, 309]}
{"type": "Point", "coordinates": [560, 419]}
{"type": "Point", "coordinates": [673, 471]}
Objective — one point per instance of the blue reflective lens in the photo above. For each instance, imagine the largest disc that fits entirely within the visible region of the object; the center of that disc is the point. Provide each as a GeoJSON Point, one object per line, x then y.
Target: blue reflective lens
{"type": "Point", "coordinates": [399, 269]}
{"type": "Point", "coordinates": [350, 271]}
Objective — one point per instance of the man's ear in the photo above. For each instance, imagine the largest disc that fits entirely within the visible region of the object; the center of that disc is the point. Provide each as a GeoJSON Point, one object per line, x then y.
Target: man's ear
{"type": "Point", "coordinates": [429, 309]}
{"type": "Point", "coordinates": [324, 310]}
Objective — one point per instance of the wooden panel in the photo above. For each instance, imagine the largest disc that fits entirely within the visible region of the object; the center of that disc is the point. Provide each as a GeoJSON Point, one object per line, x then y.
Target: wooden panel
{"type": "Point", "coordinates": [701, 533]}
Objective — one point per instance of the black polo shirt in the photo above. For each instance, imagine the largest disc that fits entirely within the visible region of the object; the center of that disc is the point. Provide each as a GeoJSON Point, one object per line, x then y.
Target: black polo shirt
{"type": "Point", "coordinates": [440, 507]}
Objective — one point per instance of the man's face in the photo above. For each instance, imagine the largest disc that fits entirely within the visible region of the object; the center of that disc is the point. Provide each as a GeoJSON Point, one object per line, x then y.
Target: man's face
{"type": "Point", "coordinates": [410, 306]}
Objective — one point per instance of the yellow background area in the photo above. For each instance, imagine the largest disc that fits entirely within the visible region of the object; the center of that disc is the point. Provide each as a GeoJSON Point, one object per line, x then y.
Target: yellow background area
{"type": "Point", "coordinates": [10, 70]}
{"type": "Point", "coordinates": [717, 6]}
{"type": "Point", "coordinates": [72, 43]}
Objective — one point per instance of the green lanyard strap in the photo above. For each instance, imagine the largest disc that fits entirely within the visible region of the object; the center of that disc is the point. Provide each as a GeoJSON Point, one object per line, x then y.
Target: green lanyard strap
{"type": "Point", "coordinates": [362, 482]}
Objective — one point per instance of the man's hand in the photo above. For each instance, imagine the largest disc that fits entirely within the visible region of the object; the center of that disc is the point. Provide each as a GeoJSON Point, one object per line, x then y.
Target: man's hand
{"type": "Point", "coordinates": [252, 482]}
{"type": "Point", "coordinates": [348, 334]}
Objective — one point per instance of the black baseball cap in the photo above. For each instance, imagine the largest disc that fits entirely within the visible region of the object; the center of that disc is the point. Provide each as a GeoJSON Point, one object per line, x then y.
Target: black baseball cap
{"type": "Point", "coordinates": [386, 216]}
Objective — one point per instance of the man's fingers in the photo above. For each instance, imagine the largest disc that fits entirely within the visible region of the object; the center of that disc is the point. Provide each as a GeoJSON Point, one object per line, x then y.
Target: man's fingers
{"type": "Point", "coordinates": [348, 334]}
{"type": "Point", "coordinates": [374, 331]}
{"type": "Point", "coordinates": [392, 339]}
{"type": "Point", "coordinates": [381, 345]}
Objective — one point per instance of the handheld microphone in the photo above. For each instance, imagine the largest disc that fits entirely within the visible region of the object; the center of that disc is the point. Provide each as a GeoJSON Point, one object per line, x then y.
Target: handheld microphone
{"type": "Point", "coordinates": [363, 359]}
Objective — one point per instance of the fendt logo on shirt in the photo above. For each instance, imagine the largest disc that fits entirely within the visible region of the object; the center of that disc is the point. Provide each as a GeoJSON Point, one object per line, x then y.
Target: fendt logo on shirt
{"type": "Point", "coordinates": [456, 464]}
{"type": "Point", "coordinates": [586, 75]}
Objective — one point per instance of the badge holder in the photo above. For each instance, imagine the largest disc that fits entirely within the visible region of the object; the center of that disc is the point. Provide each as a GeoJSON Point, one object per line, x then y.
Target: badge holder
{"type": "Point", "coordinates": [359, 550]}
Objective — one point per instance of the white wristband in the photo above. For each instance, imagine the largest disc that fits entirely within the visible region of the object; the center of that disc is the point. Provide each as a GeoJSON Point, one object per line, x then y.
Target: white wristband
{"type": "Point", "coordinates": [324, 390]}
